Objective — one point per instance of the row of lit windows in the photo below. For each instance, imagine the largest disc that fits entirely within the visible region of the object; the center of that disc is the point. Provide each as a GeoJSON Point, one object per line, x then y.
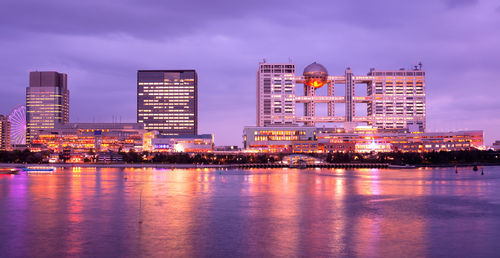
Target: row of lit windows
{"type": "Point", "coordinates": [168, 127]}
{"type": "Point", "coordinates": [180, 82]}
{"type": "Point", "coordinates": [275, 138]}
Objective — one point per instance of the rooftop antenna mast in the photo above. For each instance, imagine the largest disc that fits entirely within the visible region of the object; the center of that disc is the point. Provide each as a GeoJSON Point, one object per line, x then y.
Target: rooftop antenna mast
{"type": "Point", "coordinates": [420, 65]}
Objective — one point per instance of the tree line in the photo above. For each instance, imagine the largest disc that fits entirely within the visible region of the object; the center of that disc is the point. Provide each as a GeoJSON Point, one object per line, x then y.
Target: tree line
{"type": "Point", "coordinates": [427, 158]}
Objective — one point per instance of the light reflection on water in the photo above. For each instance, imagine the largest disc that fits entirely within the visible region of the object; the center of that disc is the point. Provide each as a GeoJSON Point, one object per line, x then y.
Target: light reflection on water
{"type": "Point", "coordinates": [259, 212]}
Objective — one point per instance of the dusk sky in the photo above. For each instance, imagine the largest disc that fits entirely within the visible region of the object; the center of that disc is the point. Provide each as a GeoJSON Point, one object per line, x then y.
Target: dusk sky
{"type": "Point", "coordinates": [102, 44]}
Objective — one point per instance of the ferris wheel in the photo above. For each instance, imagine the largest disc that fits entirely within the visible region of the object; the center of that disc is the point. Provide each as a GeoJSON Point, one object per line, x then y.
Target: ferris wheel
{"type": "Point", "coordinates": [17, 118]}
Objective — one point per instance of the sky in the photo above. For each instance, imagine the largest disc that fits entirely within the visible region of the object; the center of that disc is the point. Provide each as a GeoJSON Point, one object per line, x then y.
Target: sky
{"type": "Point", "coordinates": [101, 45]}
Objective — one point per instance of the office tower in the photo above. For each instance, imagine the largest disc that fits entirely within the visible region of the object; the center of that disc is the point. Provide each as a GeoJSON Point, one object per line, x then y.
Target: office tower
{"type": "Point", "coordinates": [275, 94]}
{"type": "Point", "coordinates": [167, 101]}
{"type": "Point", "coordinates": [47, 102]}
{"type": "Point", "coordinates": [395, 99]}
{"type": "Point", "coordinates": [4, 133]}
{"type": "Point", "coordinates": [398, 99]}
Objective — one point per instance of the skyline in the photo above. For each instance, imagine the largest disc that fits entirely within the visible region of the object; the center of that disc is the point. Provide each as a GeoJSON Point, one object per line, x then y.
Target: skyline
{"type": "Point", "coordinates": [106, 54]}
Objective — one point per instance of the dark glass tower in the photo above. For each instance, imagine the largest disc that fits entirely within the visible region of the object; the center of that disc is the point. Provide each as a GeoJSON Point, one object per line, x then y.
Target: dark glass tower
{"type": "Point", "coordinates": [167, 101]}
{"type": "Point", "coordinates": [47, 102]}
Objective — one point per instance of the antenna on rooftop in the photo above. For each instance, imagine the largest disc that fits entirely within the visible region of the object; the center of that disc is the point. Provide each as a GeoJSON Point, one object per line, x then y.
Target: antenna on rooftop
{"type": "Point", "coordinates": [420, 65]}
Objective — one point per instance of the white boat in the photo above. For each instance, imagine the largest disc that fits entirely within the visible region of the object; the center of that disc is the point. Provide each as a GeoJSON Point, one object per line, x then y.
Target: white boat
{"type": "Point", "coordinates": [401, 166]}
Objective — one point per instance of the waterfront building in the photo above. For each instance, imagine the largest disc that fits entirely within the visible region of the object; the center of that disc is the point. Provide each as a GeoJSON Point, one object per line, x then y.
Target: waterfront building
{"type": "Point", "coordinates": [496, 146]}
{"type": "Point", "coordinates": [394, 99]}
{"type": "Point", "coordinates": [167, 101]}
{"type": "Point", "coordinates": [91, 137]}
{"type": "Point", "coordinates": [275, 94]}
{"type": "Point", "coordinates": [47, 102]}
{"type": "Point", "coordinates": [230, 148]}
{"type": "Point", "coordinates": [275, 138]}
{"type": "Point", "coordinates": [4, 133]}
{"type": "Point", "coordinates": [178, 143]}
{"type": "Point", "coordinates": [361, 139]}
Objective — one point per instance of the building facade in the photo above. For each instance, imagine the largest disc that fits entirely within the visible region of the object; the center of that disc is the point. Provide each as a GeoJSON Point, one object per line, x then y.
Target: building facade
{"type": "Point", "coordinates": [167, 101]}
{"type": "Point", "coordinates": [47, 102]}
{"type": "Point", "coordinates": [178, 143]}
{"type": "Point", "coordinates": [276, 138]}
{"type": "Point", "coordinates": [361, 140]}
{"type": "Point", "coordinates": [90, 137]}
{"type": "Point", "coordinates": [394, 99]}
{"type": "Point", "coordinates": [398, 99]}
{"type": "Point", "coordinates": [275, 94]}
{"type": "Point", "coordinates": [4, 133]}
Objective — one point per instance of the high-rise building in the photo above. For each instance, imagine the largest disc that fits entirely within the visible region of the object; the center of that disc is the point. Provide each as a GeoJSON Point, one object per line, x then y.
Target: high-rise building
{"type": "Point", "coordinates": [47, 102]}
{"type": "Point", "coordinates": [398, 99]}
{"type": "Point", "coordinates": [275, 94]}
{"type": "Point", "coordinates": [167, 101]}
{"type": "Point", "coordinates": [4, 133]}
{"type": "Point", "coordinates": [394, 99]}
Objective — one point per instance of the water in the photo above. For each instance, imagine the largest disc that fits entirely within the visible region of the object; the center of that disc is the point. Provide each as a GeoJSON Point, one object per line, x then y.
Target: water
{"type": "Point", "coordinates": [95, 212]}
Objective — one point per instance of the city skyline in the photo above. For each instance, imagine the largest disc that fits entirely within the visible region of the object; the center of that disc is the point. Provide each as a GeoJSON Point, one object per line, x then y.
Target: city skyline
{"type": "Point", "coordinates": [461, 90]}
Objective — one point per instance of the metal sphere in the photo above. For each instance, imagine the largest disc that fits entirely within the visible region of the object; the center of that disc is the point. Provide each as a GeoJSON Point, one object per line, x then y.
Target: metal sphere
{"type": "Point", "coordinates": [315, 75]}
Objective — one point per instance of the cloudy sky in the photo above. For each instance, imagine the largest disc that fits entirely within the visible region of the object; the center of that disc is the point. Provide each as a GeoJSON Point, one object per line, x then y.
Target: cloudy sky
{"type": "Point", "coordinates": [101, 44]}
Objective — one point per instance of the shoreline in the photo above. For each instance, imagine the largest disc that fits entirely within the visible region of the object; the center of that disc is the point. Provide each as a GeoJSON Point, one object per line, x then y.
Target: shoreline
{"type": "Point", "coordinates": [173, 166]}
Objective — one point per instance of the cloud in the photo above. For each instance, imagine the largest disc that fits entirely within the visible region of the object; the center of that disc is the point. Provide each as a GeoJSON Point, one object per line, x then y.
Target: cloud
{"type": "Point", "coordinates": [460, 3]}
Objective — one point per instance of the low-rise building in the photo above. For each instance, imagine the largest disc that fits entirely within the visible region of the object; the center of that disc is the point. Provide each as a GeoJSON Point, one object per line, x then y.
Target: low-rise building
{"type": "Point", "coordinates": [91, 137]}
{"type": "Point", "coordinates": [496, 145]}
{"type": "Point", "coordinates": [276, 138]}
{"type": "Point", "coordinates": [361, 139]}
{"type": "Point", "coordinates": [153, 141]}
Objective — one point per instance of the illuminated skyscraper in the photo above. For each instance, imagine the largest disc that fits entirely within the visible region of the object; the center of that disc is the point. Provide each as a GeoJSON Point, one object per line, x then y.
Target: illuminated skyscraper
{"type": "Point", "coordinates": [167, 101]}
{"type": "Point", "coordinates": [4, 133]}
{"type": "Point", "coordinates": [394, 99]}
{"type": "Point", "coordinates": [47, 102]}
{"type": "Point", "coordinates": [275, 94]}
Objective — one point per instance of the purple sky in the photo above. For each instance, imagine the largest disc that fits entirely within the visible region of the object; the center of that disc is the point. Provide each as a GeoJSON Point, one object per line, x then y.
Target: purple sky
{"type": "Point", "coordinates": [101, 45]}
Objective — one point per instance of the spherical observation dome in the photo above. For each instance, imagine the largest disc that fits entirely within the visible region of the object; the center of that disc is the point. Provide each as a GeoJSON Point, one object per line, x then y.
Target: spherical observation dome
{"type": "Point", "coordinates": [315, 75]}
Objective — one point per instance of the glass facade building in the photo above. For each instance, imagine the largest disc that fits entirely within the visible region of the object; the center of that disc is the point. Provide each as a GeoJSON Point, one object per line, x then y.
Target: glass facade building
{"type": "Point", "coordinates": [167, 101]}
{"type": "Point", "coordinates": [47, 102]}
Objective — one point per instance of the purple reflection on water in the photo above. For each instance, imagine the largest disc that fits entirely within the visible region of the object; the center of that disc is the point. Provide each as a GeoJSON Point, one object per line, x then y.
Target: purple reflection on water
{"type": "Point", "coordinates": [95, 212]}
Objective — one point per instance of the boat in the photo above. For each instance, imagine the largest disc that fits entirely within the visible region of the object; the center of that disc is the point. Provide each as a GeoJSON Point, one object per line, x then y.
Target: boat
{"type": "Point", "coordinates": [401, 166]}
{"type": "Point", "coordinates": [10, 171]}
{"type": "Point", "coordinates": [39, 169]}
{"type": "Point", "coordinates": [299, 164]}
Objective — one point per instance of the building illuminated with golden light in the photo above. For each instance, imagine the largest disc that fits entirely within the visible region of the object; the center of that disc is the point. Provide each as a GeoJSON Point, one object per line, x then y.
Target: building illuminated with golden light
{"type": "Point", "coordinates": [47, 102]}
{"type": "Point", "coordinates": [4, 133]}
{"type": "Point", "coordinates": [178, 143]}
{"type": "Point", "coordinates": [87, 137]}
{"type": "Point", "coordinates": [167, 101]}
{"type": "Point", "coordinates": [361, 139]}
